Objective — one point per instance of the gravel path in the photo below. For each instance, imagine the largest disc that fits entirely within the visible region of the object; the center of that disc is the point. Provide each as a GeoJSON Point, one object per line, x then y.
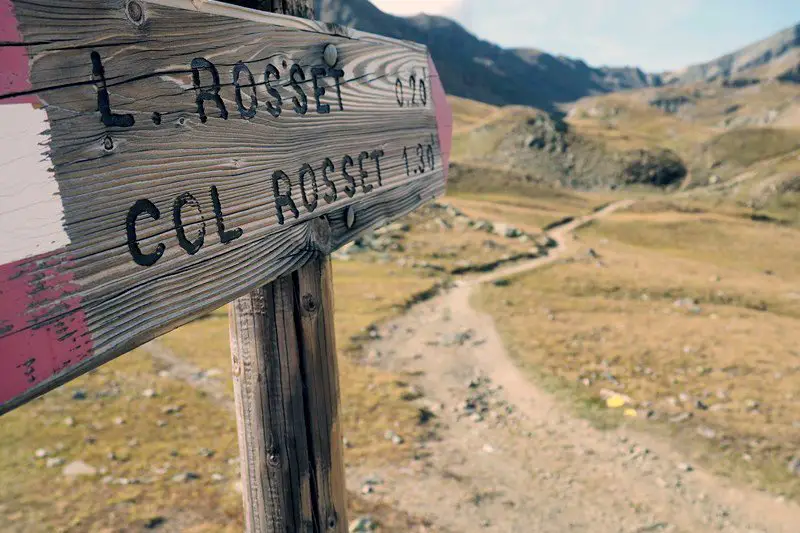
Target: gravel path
{"type": "Point", "coordinates": [505, 457]}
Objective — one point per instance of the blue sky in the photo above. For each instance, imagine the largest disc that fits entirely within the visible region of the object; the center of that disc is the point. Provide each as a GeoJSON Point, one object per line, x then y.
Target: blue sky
{"type": "Point", "coordinates": [653, 34]}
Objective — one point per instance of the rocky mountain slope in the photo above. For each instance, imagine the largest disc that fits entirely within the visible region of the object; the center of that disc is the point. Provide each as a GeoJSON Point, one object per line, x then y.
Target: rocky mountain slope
{"type": "Point", "coordinates": [776, 57]}
{"type": "Point", "coordinates": [731, 121]}
{"type": "Point", "coordinates": [479, 70]}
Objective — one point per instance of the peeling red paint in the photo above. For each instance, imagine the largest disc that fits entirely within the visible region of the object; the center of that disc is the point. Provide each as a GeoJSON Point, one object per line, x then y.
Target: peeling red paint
{"type": "Point", "coordinates": [14, 64]}
{"type": "Point", "coordinates": [35, 292]}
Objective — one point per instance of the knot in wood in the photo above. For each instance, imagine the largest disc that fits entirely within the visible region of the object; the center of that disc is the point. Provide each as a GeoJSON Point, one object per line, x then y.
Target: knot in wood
{"type": "Point", "coordinates": [320, 235]}
{"type": "Point", "coordinates": [332, 521]}
{"type": "Point", "coordinates": [108, 144]}
{"type": "Point", "coordinates": [135, 12]}
{"type": "Point", "coordinates": [309, 303]}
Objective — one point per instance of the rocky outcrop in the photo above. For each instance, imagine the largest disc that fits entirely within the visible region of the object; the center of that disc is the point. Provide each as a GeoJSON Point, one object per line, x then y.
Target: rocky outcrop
{"type": "Point", "coordinates": [672, 104]}
{"type": "Point", "coordinates": [545, 147]}
{"type": "Point", "coordinates": [660, 168]}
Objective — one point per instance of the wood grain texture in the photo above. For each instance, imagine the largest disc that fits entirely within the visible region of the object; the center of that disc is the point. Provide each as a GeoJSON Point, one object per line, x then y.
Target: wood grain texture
{"type": "Point", "coordinates": [307, 491]}
{"type": "Point", "coordinates": [268, 389]}
{"type": "Point", "coordinates": [314, 283]}
{"type": "Point", "coordinates": [226, 165]}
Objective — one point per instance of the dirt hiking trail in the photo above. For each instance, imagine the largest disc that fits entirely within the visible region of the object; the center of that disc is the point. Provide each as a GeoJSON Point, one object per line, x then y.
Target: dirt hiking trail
{"type": "Point", "coordinates": [503, 456]}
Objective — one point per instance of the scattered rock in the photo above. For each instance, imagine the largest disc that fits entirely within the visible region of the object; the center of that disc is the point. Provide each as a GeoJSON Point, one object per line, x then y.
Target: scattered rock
{"type": "Point", "coordinates": [185, 477]}
{"type": "Point", "coordinates": [53, 462]}
{"type": "Point", "coordinates": [79, 394]}
{"type": "Point", "coordinates": [154, 522]}
{"type": "Point", "coordinates": [752, 405]}
{"type": "Point", "coordinates": [217, 477]}
{"type": "Point", "coordinates": [458, 339]}
{"type": "Point", "coordinates": [424, 416]}
{"type": "Point", "coordinates": [149, 393]}
{"type": "Point", "coordinates": [362, 524]}
{"type": "Point", "coordinates": [41, 453]}
{"type": "Point", "coordinates": [69, 421]}
{"type": "Point", "coordinates": [681, 417]}
{"type": "Point", "coordinates": [119, 420]}
{"type": "Point", "coordinates": [171, 409]}
{"type": "Point", "coordinates": [161, 423]}
{"type": "Point", "coordinates": [79, 468]}
{"type": "Point", "coordinates": [685, 467]}
{"type": "Point", "coordinates": [412, 393]}
{"type": "Point", "coordinates": [706, 432]}
{"type": "Point", "coordinates": [794, 466]}
{"type": "Point", "coordinates": [394, 437]}
{"type": "Point", "coordinates": [655, 526]}
{"type": "Point", "coordinates": [206, 452]}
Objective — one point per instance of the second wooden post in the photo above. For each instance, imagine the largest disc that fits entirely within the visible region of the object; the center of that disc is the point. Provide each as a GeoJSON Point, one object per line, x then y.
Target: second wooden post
{"type": "Point", "coordinates": [286, 386]}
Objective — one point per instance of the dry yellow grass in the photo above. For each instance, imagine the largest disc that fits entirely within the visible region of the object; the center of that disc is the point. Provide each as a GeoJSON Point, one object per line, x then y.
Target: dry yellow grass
{"type": "Point", "coordinates": [732, 344]}
{"type": "Point", "coordinates": [37, 498]}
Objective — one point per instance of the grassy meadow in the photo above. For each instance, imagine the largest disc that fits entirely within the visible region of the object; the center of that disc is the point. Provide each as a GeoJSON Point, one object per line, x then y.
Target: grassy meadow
{"type": "Point", "coordinates": [695, 317]}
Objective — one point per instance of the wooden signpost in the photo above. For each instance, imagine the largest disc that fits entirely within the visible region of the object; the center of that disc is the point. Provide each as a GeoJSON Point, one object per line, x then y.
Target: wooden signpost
{"type": "Point", "coordinates": [159, 159]}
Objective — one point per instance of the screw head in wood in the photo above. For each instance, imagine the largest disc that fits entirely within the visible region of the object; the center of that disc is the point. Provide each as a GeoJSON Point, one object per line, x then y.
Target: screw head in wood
{"type": "Point", "coordinates": [273, 459]}
{"type": "Point", "coordinates": [135, 12]}
{"type": "Point", "coordinates": [350, 217]}
{"type": "Point", "coordinates": [330, 54]}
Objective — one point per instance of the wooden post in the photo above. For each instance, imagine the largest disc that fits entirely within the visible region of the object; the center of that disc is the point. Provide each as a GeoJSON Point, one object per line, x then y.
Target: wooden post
{"type": "Point", "coordinates": [286, 386]}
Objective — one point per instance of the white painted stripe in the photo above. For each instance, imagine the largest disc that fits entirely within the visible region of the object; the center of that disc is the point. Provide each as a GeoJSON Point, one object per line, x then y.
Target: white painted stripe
{"type": "Point", "coordinates": [31, 214]}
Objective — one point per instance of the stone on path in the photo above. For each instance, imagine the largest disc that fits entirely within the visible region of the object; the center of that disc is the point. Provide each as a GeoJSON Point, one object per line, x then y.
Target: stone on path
{"type": "Point", "coordinates": [184, 477]}
{"type": "Point", "coordinates": [79, 468]}
{"type": "Point", "coordinates": [53, 462]}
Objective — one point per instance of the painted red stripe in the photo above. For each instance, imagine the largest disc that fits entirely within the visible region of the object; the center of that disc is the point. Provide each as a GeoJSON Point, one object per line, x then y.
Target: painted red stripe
{"type": "Point", "coordinates": [39, 291]}
{"type": "Point", "coordinates": [444, 116]}
{"type": "Point", "coordinates": [14, 65]}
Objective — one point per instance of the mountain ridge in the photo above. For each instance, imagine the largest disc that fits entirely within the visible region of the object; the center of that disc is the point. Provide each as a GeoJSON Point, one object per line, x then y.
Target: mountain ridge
{"type": "Point", "coordinates": [480, 70]}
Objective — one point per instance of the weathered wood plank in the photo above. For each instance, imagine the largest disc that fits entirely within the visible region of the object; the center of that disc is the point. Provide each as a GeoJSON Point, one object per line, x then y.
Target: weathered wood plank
{"type": "Point", "coordinates": [268, 389]}
{"type": "Point", "coordinates": [307, 491]}
{"type": "Point", "coordinates": [165, 210]}
{"type": "Point", "coordinates": [314, 283]}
